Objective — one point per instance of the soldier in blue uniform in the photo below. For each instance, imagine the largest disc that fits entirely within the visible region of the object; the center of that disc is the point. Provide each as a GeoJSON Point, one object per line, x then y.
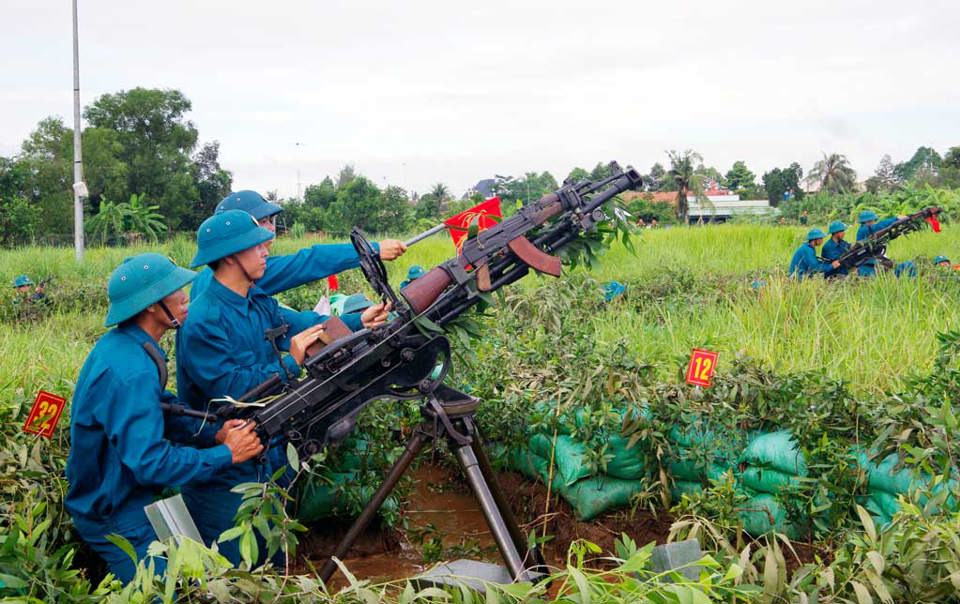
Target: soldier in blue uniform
{"type": "Point", "coordinates": [290, 271]}
{"type": "Point", "coordinates": [119, 458]}
{"type": "Point", "coordinates": [805, 263]}
{"type": "Point", "coordinates": [870, 224]}
{"type": "Point", "coordinates": [942, 261]}
{"type": "Point", "coordinates": [835, 247]}
{"type": "Point", "coordinates": [222, 351]}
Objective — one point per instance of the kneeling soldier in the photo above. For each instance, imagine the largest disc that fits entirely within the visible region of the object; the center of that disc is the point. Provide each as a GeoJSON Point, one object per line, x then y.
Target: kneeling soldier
{"type": "Point", "coordinates": [119, 459]}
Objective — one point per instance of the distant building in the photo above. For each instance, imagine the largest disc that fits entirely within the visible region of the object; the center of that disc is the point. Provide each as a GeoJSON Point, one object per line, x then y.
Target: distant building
{"type": "Point", "coordinates": [484, 188]}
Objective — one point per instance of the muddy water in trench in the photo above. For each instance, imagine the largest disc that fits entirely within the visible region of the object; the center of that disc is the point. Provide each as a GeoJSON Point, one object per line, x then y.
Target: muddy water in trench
{"type": "Point", "coordinates": [437, 508]}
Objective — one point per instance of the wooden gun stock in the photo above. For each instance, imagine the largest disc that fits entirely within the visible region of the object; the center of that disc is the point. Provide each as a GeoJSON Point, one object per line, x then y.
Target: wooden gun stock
{"type": "Point", "coordinates": [333, 330]}
{"type": "Point", "coordinates": [423, 291]}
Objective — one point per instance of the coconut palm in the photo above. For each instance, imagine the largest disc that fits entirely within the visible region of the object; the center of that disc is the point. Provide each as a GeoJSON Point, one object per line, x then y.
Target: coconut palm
{"type": "Point", "coordinates": [441, 194]}
{"type": "Point", "coordinates": [685, 174]}
{"type": "Point", "coordinates": [834, 174]}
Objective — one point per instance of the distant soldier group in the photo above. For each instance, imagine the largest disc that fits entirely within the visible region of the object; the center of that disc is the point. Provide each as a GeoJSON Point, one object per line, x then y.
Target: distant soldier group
{"type": "Point", "coordinates": [806, 263]}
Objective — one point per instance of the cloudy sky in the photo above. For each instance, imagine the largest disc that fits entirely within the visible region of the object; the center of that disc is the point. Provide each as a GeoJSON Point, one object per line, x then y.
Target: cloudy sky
{"type": "Point", "coordinates": [417, 92]}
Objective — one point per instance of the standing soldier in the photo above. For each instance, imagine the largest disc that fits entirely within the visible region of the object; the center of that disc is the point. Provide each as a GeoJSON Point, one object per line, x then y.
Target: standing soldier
{"type": "Point", "coordinates": [805, 263]}
{"type": "Point", "coordinates": [835, 247]}
{"type": "Point", "coordinates": [119, 459]}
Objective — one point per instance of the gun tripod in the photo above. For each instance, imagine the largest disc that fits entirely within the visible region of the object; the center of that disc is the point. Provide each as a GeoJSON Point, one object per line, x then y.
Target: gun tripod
{"type": "Point", "coordinates": [448, 414]}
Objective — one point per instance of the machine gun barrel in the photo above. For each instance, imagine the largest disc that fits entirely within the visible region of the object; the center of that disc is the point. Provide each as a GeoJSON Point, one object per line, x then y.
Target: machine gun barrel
{"type": "Point", "coordinates": [876, 244]}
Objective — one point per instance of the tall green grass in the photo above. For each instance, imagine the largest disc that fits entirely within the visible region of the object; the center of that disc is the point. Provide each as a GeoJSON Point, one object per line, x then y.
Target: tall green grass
{"type": "Point", "coordinates": [872, 333]}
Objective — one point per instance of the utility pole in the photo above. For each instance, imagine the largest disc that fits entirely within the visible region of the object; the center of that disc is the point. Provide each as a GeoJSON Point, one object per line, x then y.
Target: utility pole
{"type": "Point", "coordinates": [79, 187]}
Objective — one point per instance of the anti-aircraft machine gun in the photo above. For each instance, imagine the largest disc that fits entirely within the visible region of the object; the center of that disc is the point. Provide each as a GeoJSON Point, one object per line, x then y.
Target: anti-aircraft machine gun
{"type": "Point", "coordinates": [875, 246]}
{"type": "Point", "coordinates": [399, 359]}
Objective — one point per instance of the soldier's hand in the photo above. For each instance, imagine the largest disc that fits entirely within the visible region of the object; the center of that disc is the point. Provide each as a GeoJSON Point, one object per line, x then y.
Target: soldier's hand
{"type": "Point", "coordinates": [376, 315]}
{"type": "Point", "coordinates": [306, 338]}
{"type": "Point", "coordinates": [228, 425]}
{"type": "Point", "coordinates": [391, 249]}
{"type": "Point", "coordinates": [835, 264]}
{"type": "Point", "coordinates": [243, 442]}
{"type": "Point", "coordinates": [902, 217]}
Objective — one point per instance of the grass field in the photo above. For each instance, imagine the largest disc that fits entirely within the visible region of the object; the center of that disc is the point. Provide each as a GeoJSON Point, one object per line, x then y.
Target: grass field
{"type": "Point", "coordinates": [686, 287]}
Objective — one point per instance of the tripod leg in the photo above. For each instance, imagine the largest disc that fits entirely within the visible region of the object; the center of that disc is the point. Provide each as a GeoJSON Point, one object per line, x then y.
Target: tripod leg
{"type": "Point", "coordinates": [416, 443]}
{"type": "Point", "coordinates": [499, 528]}
{"type": "Point", "coordinates": [501, 502]}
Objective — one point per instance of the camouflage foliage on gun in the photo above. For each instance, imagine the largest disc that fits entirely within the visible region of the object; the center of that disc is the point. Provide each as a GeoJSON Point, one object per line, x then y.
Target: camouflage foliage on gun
{"type": "Point", "coordinates": [399, 360]}
{"type": "Point", "coordinates": [875, 246]}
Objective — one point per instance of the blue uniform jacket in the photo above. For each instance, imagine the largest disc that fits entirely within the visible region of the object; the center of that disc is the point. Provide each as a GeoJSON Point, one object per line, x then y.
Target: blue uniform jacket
{"type": "Point", "coordinates": [287, 272]}
{"type": "Point", "coordinates": [804, 263]}
{"type": "Point", "coordinates": [867, 268]}
{"type": "Point", "coordinates": [222, 351]}
{"type": "Point", "coordinates": [119, 459]}
{"type": "Point", "coordinates": [832, 250]}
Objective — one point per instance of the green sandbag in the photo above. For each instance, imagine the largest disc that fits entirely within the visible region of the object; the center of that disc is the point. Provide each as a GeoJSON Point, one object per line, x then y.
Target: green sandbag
{"type": "Point", "coordinates": [318, 498]}
{"type": "Point", "coordinates": [694, 471]}
{"type": "Point", "coordinates": [528, 463]}
{"type": "Point", "coordinates": [569, 456]}
{"type": "Point", "coordinates": [593, 496]}
{"type": "Point", "coordinates": [767, 480]}
{"type": "Point", "coordinates": [777, 450]}
{"type": "Point", "coordinates": [349, 456]}
{"type": "Point", "coordinates": [885, 475]}
{"type": "Point", "coordinates": [685, 487]}
{"type": "Point", "coordinates": [628, 463]}
{"type": "Point", "coordinates": [762, 513]}
{"type": "Point", "coordinates": [692, 435]}
{"type": "Point", "coordinates": [886, 503]}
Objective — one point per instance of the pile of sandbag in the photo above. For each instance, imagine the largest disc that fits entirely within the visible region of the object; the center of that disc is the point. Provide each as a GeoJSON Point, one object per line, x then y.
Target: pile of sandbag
{"type": "Point", "coordinates": [334, 491]}
{"type": "Point", "coordinates": [699, 453]}
{"type": "Point", "coordinates": [888, 479]}
{"type": "Point", "coordinates": [589, 485]}
{"type": "Point", "coordinates": [771, 468]}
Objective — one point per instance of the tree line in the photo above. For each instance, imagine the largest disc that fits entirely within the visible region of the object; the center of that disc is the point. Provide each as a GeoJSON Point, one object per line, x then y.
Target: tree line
{"type": "Point", "coordinates": [148, 174]}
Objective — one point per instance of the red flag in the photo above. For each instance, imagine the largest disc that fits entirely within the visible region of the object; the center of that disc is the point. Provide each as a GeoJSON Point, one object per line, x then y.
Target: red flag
{"type": "Point", "coordinates": [934, 223]}
{"type": "Point", "coordinates": [332, 283]}
{"type": "Point", "coordinates": [485, 214]}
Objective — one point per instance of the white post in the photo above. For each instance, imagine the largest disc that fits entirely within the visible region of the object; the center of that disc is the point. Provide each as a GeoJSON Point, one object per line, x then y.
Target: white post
{"type": "Point", "coordinates": [79, 188]}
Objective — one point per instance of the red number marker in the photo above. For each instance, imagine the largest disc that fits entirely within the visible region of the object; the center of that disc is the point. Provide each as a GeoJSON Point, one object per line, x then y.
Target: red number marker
{"type": "Point", "coordinates": [45, 414]}
{"type": "Point", "coordinates": [702, 365]}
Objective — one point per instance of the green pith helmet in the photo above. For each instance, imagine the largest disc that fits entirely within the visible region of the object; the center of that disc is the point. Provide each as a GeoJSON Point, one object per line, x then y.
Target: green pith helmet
{"type": "Point", "coordinates": [250, 202]}
{"type": "Point", "coordinates": [836, 226]}
{"type": "Point", "coordinates": [815, 234]}
{"type": "Point", "coordinates": [867, 216]}
{"type": "Point", "coordinates": [940, 259]}
{"type": "Point", "coordinates": [22, 280]}
{"type": "Point", "coordinates": [414, 272]}
{"type": "Point", "coordinates": [227, 233]}
{"type": "Point", "coordinates": [356, 303]}
{"type": "Point", "coordinates": [140, 281]}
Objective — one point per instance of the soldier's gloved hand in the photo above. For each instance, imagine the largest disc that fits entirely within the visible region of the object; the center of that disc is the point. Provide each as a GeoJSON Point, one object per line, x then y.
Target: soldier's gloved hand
{"type": "Point", "coordinates": [243, 442]}
{"type": "Point", "coordinates": [391, 249]}
{"type": "Point", "coordinates": [376, 315]}
{"type": "Point", "coordinates": [228, 425]}
{"type": "Point", "coordinates": [303, 340]}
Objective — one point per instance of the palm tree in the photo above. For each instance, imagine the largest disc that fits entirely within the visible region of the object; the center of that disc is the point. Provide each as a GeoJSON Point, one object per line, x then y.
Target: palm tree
{"type": "Point", "coordinates": [441, 193]}
{"type": "Point", "coordinates": [834, 174]}
{"type": "Point", "coordinates": [685, 173]}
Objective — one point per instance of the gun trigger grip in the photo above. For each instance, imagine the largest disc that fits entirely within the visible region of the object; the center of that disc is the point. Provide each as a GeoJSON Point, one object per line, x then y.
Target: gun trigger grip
{"type": "Point", "coordinates": [483, 278]}
{"type": "Point", "coordinates": [534, 257]}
